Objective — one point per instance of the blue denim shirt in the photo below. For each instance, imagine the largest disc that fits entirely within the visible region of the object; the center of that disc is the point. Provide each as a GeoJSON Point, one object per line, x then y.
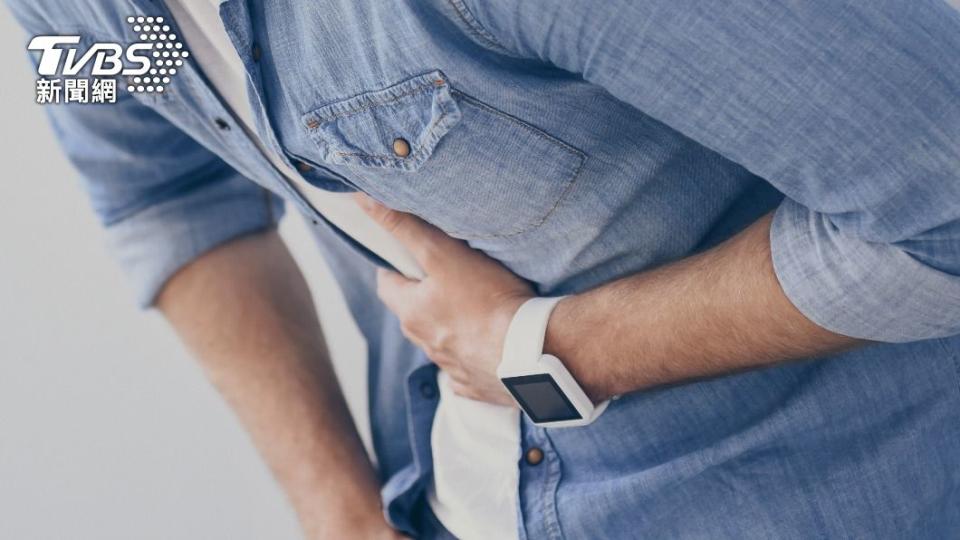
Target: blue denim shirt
{"type": "Point", "coordinates": [578, 142]}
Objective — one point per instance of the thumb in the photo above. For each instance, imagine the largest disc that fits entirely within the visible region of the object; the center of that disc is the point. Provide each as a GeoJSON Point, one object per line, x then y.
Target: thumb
{"type": "Point", "coordinates": [395, 291]}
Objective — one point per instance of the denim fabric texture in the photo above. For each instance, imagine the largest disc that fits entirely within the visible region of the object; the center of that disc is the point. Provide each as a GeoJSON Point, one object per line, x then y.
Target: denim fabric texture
{"type": "Point", "coordinates": [582, 141]}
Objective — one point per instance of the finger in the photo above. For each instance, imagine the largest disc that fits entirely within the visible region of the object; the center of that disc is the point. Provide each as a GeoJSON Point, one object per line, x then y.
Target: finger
{"type": "Point", "coordinates": [456, 373]}
{"type": "Point", "coordinates": [396, 292]}
{"type": "Point", "coordinates": [422, 239]}
{"type": "Point", "coordinates": [464, 390]}
{"type": "Point", "coordinates": [495, 397]}
{"type": "Point", "coordinates": [415, 339]}
{"type": "Point", "coordinates": [442, 361]}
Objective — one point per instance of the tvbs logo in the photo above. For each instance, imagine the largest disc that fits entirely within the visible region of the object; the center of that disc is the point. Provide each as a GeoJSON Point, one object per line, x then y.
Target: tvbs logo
{"type": "Point", "coordinates": [147, 64]}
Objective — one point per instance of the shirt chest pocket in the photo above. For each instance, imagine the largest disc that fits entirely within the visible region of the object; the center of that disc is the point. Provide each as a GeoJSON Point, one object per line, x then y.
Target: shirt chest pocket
{"type": "Point", "coordinates": [423, 147]}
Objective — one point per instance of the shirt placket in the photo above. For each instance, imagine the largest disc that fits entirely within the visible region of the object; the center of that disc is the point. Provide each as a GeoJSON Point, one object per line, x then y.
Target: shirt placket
{"type": "Point", "coordinates": [540, 472]}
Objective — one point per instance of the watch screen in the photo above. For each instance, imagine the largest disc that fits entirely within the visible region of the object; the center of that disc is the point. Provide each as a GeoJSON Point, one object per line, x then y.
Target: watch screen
{"type": "Point", "coordinates": [541, 398]}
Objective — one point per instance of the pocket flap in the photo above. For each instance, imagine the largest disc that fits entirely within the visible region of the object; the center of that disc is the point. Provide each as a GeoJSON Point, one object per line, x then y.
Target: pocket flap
{"type": "Point", "coordinates": [364, 130]}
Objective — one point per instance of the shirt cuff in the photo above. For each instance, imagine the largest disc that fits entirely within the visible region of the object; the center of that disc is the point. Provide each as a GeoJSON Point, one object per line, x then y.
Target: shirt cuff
{"type": "Point", "coordinates": [860, 289]}
{"type": "Point", "coordinates": [153, 244]}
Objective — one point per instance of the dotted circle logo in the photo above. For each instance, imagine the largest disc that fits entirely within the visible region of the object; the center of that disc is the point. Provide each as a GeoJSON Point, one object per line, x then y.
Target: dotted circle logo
{"type": "Point", "coordinates": [167, 54]}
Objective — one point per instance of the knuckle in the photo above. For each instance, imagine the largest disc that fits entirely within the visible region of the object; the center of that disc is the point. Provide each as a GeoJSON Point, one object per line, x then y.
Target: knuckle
{"type": "Point", "coordinates": [441, 339]}
{"type": "Point", "coordinates": [435, 356]}
{"type": "Point", "coordinates": [458, 374]}
{"type": "Point", "coordinates": [390, 219]}
{"type": "Point", "coordinates": [409, 332]}
{"type": "Point", "coordinates": [430, 255]}
{"type": "Point", "coordinates": [416, 327]}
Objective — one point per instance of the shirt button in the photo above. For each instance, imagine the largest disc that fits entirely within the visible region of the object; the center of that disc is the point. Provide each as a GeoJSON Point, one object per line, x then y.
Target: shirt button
{"type": "Point", "coordinates": [302, 167]}
{"type": "Point", "coordinates": [428, 390]}
{"type": "Point", "coordinates": [222, 124]}
{"type": "Point", "coordinates": [401, 147]}
{"type": "Point", "coordinates": [533, 456]}
{"type": "Point", "coordinates": [256, 52]}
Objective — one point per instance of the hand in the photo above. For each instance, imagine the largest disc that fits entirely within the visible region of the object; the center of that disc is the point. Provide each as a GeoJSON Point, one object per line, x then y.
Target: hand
{"type": "Point", "coordinates": [459, 314]}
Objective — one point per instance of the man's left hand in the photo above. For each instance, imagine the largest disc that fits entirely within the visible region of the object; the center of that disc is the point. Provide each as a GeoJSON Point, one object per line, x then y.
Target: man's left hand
{"type": "Point", "coordinates": [459, 313]}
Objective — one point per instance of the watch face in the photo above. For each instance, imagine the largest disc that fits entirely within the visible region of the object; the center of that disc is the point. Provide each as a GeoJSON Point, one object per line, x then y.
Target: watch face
{"type": "Point", "coordinates": [541, 398]}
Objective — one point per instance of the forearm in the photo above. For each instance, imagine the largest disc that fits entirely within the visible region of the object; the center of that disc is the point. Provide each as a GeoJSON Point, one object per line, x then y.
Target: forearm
{"type": "Point", "coordinates": [716, 312]}
{"type": "Point", "coordinates": [245, 311]}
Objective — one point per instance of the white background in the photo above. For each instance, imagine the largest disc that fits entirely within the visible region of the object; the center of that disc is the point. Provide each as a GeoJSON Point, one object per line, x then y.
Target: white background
{"type": "Point", "coordinates": [108, 429]}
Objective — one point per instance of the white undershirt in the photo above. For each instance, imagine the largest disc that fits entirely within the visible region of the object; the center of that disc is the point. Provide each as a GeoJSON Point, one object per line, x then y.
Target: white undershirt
{"type": "Point", "coordinates": [476, 455]}
{"type": "Point", "coordinates": [476, 446]}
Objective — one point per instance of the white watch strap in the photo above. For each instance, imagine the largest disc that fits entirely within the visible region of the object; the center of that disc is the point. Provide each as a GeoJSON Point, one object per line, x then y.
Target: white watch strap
{"type": "Point", "coordinates": [523, 344]}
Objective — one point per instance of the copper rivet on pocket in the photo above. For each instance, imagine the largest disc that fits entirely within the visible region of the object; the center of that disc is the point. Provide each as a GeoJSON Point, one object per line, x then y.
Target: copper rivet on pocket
{"type": "Point", "coordinates": [401, 147]}
{"type": "Point", "coordinates": [313, 123]}
{"type": "Point", "coordinates": [534, 456]}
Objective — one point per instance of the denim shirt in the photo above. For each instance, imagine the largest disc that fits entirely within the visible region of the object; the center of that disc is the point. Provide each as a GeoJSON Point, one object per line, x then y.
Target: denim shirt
{"type": "Point", "coordinates": [578, 142]}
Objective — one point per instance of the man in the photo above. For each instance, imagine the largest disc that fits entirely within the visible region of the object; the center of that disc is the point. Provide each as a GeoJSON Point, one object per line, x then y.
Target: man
{"type": "Point", "coordinates": [755, 210]}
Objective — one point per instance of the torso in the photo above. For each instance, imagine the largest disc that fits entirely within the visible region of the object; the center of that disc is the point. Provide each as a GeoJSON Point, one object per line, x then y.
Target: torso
{"type": "Point", "coordinates": [571, 188]}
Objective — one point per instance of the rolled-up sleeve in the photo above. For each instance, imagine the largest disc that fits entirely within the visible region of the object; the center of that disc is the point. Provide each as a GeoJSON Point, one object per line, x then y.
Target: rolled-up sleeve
{"type": "Point", "coordinates": [156, 242]}
{"type": "Point", "coordinates": [867, 290]}
{"type": "Point", "coordinates": [851, 109]}
{"type": "Point", "coordinates": [162, 197]}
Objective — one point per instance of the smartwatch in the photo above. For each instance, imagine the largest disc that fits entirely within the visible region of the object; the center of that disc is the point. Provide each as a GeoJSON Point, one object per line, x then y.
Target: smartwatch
{"type": "Point", "coordinates": [542, 386]}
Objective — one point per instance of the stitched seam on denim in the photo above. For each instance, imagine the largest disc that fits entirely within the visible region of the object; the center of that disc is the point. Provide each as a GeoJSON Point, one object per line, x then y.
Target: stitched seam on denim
{"type": "Point", "coordinates": [412, 157]}
{"type": "Point", "coordinates": [476, 29]}
{"type": "Point", "coordinates": [953, 356]}
{"type": "Point", "coordinates": [535, 131]}
{"type": "Point", "coordinates": [530, 129]}
{"type": "Point", "coordinates": [392, 160]}
{"type": "Point", "coordinates": [536, 223]}
{"type": "Point", "coordinates": [551, 520]}
{"type": "Point", "coordinates": [539, 439]}
{"type": "Point", "coordinates": [369, 103]}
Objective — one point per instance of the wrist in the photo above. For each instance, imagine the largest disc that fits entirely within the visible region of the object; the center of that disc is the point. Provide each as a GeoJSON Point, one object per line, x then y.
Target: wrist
{"type": "Point", "coordinates": [569, 339]}
{"type": "Point", "coordinates": [504, 314]}
{"type": "Point", "coordinates": [323, 524]}
{"type": "Point", "coordinates": [338, 507]}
